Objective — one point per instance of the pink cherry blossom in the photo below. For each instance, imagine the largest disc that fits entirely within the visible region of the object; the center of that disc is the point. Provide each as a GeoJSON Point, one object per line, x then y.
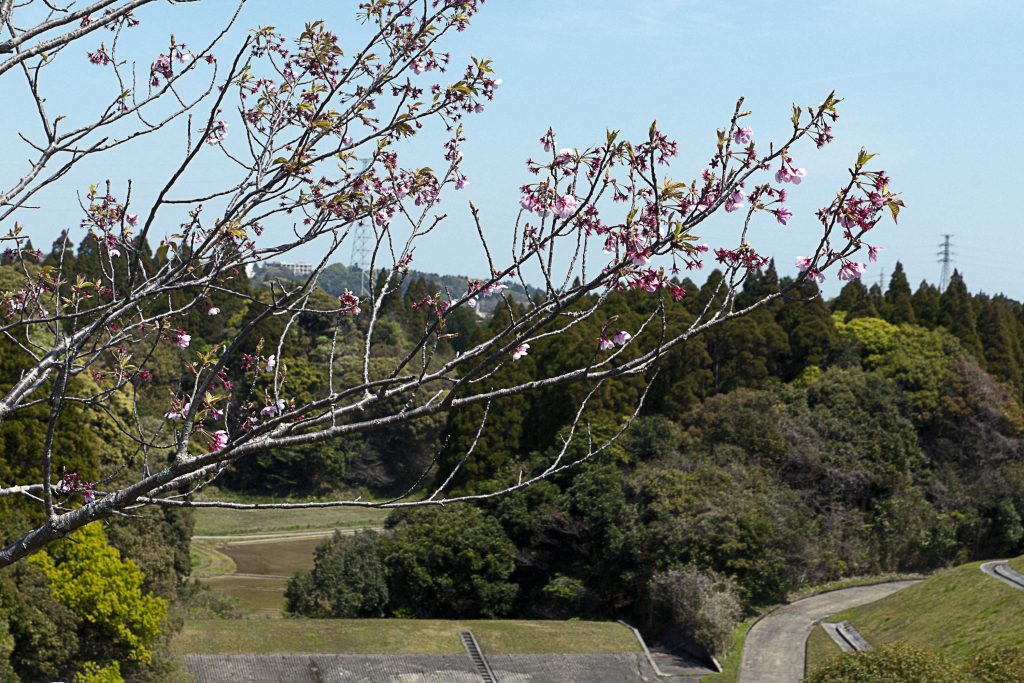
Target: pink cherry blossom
{"type": "Point", "coordinates": [461, 182]}
{"type": "Point", "coordinates": [218, 132]}
{"type": "Point", "coordinates": [176, 413]}
{"type": "Point", "coordinates": [742, 136]}
{"type": "Point", "coordinates": [495, 288]}
{"type": "Point", "coordinates": [804, 263]}
{"type": "Point", "coordinates": [349, 304]}
{"type": "Point", "coordinates": [852, 270]}
{"type": "Point", "coordinates": [873, 253]}
{"type": "Point", "coordinates": [181, 338]}
{"type": "Point", "coordinates": [272, 410]}
{"type": "Point", "coordinates": [132, 219]}
{"type": "Point", "coordinates": [622, 337]}
{"type": "Point", "coordinates": [520, 351]}
{"type": "Point", "coordinates": [213, 310]}
{"type": "Point", "coordinates": [604, 343]}
{"type": "Point", "coordinates": [735, 201]}
{"type": "Point", "coordinates": [218, 440]}
{"type": "Point", "coordinates": [783, 214]}
{"type": "Point", "coordinates": [271, 362]}
{"type": "Point", "coordinates": [786, 175]}
{"type": "Point", "coordinates": [65, 485]}
{"type": "Point", "coordinates": [566, 206]}
{"type": "Point", "coordinates": [528, 202]}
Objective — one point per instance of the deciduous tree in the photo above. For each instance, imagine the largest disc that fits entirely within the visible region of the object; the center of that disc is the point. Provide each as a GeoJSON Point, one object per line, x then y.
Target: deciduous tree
{"type": "Point", "coordinates": [313, 133]}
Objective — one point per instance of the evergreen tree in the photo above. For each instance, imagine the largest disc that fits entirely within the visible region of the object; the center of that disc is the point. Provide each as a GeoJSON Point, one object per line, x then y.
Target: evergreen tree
{"type": "Point", "coordinates": [927, 304]}
{"type": "Point", "coordinates": [87, 263]}
{"type": "Point", "coordinates": [876, 297]}
{"type": "Point", "coordinates": [63, 250]}
{"type": "Point", "coordinates": [853, 300]}
{"type": "Point", "coordinates": [958, 315]}
{"type": "Point", "coordinates": [899, 306]}
{"type": "Point", "coordinates": [1000, 345]}
{"type": "Point", "coordinates": [809, 326]}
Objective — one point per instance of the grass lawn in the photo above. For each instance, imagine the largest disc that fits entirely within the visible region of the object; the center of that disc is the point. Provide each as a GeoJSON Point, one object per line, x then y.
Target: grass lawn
{"type": "Point", "coordinates": [1018, 564]}
{"type": "Point", "coordinates": [208, 560]}
{"type": "Point", "coordinates": [820, 647]}
{"type": "Point", "coordinates": [731, 662]}
{"type": "Point", "coordinates": [275, 558]}
{"type": "Point", "coordinates": [257, 596]}
{"type": "Point", "coordinates": [254, 572]}
{"type": "Point", "coordinates": [957, 612]}
{"type": "Point", "coordinates": [225, 522]}
{"type": "Point", "coordinates": [226, 636]}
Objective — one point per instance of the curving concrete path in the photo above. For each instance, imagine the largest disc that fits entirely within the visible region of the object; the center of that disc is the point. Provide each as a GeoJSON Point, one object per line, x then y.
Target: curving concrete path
{"type": "Point", "coordinates": [1000, 569]}
{"type": "Point", "coordinates": [775, 646]}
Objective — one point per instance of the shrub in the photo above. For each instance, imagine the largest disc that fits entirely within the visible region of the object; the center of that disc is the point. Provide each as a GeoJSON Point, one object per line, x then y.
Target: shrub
{"type": "Point", "coordinates": [893, 663]}
{"type": "Point", "coordinates": [347, 580]}
{"type": "Point", "coordinates": [703, 604]}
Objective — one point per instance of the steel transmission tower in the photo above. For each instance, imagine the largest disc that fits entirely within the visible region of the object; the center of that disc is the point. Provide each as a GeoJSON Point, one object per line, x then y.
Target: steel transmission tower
{"type": "Point", "coordinates": [361, 254]}
{"type": "Point", "coordinates": [361, 249]}
{"type": "Point", "coordinates": [945, 258]}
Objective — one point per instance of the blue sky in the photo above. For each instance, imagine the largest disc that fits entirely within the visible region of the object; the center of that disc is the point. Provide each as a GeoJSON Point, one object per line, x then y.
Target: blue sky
{"type": "Point", "coordinates": [935, 87]}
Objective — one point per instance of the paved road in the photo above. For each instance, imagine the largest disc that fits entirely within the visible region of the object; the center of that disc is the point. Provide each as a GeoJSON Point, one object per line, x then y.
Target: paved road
{"type": "Point", "coordinates": [774, 649]}
{"type": "Point", "coordinates": [999, 569]}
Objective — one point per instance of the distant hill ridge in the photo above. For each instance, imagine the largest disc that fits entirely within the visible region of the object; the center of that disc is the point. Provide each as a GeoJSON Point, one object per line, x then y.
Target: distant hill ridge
{"type": "Point", "coordinates": [337, 277]}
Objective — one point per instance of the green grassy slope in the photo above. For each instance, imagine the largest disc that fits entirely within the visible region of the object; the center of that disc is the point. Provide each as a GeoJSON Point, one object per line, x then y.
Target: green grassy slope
{"type": "Point", "coordinates": [227, 636]}
{"type": "Point", "coordinates": [958, 612]}
{"type": "Point", "coordinates": [820, 647]}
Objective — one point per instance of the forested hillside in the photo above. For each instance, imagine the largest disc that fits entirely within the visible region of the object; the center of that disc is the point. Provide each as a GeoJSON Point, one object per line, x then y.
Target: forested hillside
{"type": "Point", "coordinates": [809, 440]}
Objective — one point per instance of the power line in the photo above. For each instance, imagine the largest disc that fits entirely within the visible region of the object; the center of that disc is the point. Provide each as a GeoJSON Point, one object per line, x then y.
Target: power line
{"type": "Point", "coordinates": [945, 258]}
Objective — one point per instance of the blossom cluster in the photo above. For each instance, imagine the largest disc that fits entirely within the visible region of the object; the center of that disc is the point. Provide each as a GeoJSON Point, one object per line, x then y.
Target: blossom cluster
{"type": "Point", "coordinates": [620, 338]}
{"type": "Point", "coordinates": [71, 483]}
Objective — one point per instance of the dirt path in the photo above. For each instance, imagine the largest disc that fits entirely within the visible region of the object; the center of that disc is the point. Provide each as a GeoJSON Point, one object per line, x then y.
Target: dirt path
{"type": "Point", "coordinates": [775, 646]}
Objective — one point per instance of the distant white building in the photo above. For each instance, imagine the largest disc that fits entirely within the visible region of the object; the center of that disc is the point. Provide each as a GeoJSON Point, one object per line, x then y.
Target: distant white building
{"type": "Point", "coordinates": [294, 268]}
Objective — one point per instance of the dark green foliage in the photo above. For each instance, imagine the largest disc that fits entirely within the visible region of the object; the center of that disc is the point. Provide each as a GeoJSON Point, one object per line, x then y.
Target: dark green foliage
{"type": "Point", "coordinates": [452, 563]}
{"type": "Point", "coordinates": [1001, 341]}
{"type": "Point", "coordinates": [958, 314]}
{"type": "Point", "coordinates": [42, 628]}
{"type": "Point", "coordinates": [347, 580]}
{"type": "Point", "coordinates": [854, 302]}
{"type": "Point", "coordinates": [811, 331]}
{"type": "Point", "coordinates": [739, 522]}
{"type": "Point", "coordinates": [899, 305]}
{"type": "Point", "coordinates": [927, 305]}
